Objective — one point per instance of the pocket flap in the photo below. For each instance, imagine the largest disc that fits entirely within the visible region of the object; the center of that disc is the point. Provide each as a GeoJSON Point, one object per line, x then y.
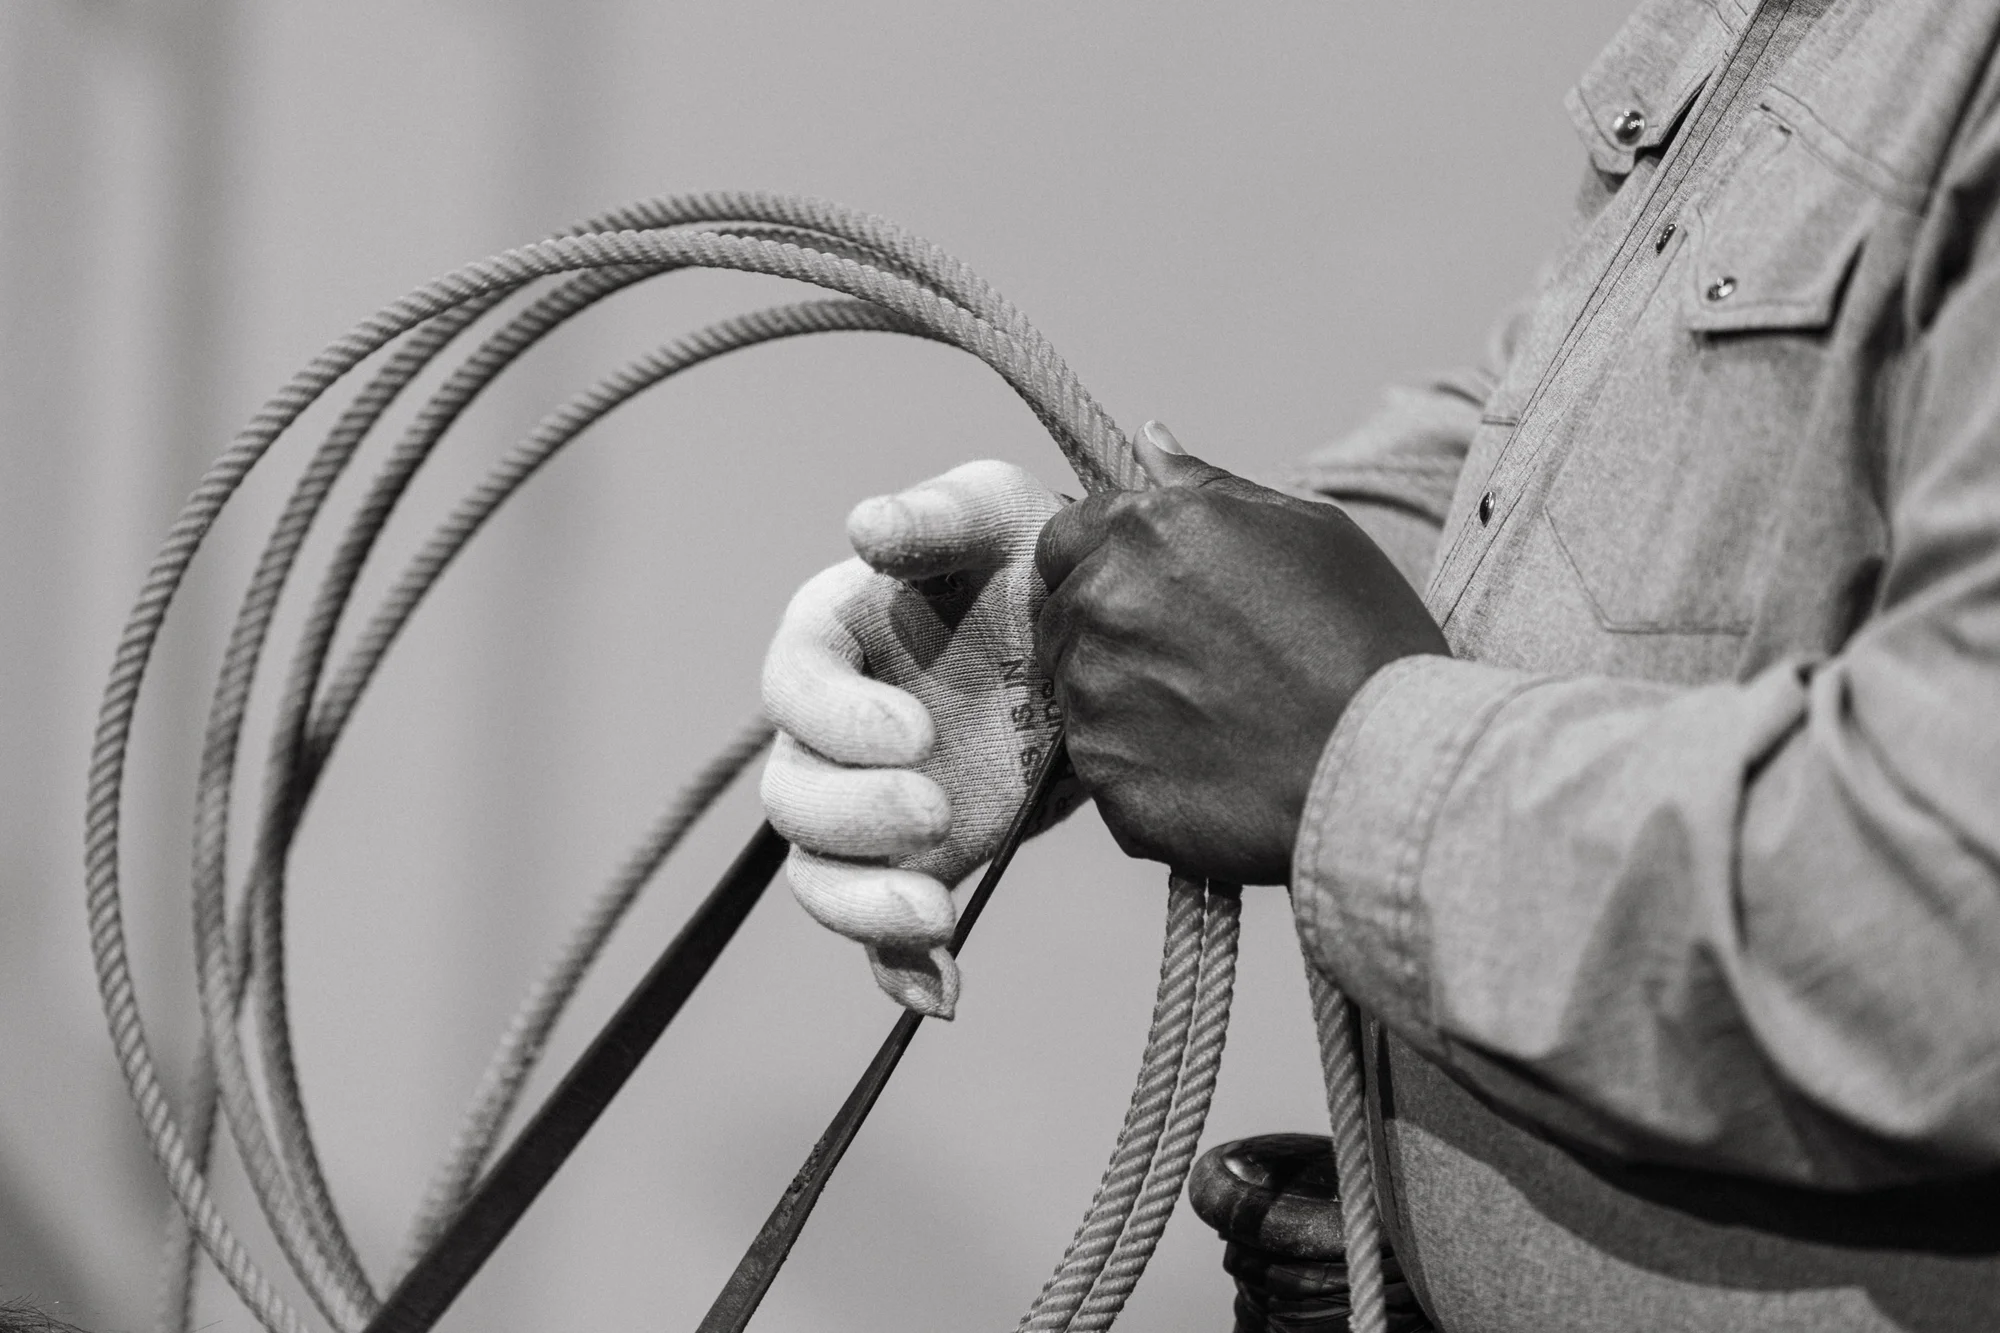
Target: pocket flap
{"type": "Point", "coordinates": [1637, 90]}
{"type": "Point", "coordinates": [1774, 249]}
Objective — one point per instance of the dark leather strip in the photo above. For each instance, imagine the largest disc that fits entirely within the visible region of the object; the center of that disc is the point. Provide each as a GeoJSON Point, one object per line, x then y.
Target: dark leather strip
{"type": "Point", "coordinates": [538, 1152]}
{"type": "Point", "coordinates": [760, 1264]}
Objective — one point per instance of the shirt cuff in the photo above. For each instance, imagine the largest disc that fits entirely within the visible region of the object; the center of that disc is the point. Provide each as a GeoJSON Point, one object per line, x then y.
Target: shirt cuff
{"type": "Point", "coordinates": [1368, 822]}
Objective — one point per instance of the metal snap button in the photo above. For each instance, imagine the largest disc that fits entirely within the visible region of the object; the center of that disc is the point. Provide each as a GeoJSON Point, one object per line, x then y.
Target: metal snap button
{"type": "Point", "coordinates": [1485, 509]}
{"type": "Point", "coordinates": [1720, 289]}
{"type": "Point", "coordinates": [1666, 234]}
{"type": "Point", "coordinates": [1629, 126]}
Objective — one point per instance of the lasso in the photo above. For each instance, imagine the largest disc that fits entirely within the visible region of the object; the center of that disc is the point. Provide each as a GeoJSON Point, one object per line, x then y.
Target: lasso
{"type": "Point", "coordinates": [889, 281]}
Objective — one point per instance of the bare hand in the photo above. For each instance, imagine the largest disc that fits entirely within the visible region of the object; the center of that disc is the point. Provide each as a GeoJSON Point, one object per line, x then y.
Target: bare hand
{"type": "Point", "coordinates": [1205, 638]}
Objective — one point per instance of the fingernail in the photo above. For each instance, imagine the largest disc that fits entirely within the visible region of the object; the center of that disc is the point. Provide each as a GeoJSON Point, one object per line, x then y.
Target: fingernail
{"type": "Point", "coordinates": [1161, 438]}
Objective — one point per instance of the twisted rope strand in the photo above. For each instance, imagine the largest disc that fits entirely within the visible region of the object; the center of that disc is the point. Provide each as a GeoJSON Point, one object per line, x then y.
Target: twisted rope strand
{"type": "Point", "coordinates": [297, 1198]}
{"type": "Point", "coordinates": [304, 756]}
{"type": "Point", "coordinates": [297, 760]}
{"type": "Point", "coordinates": [290, 779]}
{"type": "Point", "coordinates": [180, 1250]}
{"type": "Point", "coordinates": [102, 814]}
{"type": "Point", "coordinates": [1354, 1165]}
{"type": "Point", "coordinates": [288, 783]}
{"type": "Point", "coordinates": [1168, 1171]}
{"type": "Point", "coordinates": [1145, 1117]}
{"type": "Point", "coordinates": [247, 638]}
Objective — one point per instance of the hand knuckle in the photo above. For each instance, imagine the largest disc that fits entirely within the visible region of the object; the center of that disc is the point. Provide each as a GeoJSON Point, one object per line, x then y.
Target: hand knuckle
{"type": "Point", "coordinates": [1080, 688]}
{"type": "Point", "coordinates": [1117, 597]}
{"type": "Point", "coordinates": [1150, 519]}
{"type": "Point", "coordinates": [1140, 512]}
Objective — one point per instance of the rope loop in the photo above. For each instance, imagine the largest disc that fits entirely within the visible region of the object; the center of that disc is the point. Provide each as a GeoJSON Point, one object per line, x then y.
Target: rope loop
{"type": "Point", "coordinates": [884, 280]}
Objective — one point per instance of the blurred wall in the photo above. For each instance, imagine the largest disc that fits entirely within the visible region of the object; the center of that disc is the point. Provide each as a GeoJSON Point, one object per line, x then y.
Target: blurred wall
{"type": "Point", "coordinates": [1241, 219]}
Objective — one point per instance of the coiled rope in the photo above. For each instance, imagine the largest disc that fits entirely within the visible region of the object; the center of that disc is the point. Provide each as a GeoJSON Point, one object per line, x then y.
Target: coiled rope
{"type": "Point", "coordinates": [891, 282]}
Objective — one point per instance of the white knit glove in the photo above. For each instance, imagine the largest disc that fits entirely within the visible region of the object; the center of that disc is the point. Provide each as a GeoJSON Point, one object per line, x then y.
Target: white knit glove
{"type": "Point", "coordinates": [911, 716]}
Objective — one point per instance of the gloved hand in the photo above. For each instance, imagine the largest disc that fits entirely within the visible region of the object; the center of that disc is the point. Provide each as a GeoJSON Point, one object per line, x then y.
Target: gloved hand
{"type": "Point", "coordinates": [911, 716]}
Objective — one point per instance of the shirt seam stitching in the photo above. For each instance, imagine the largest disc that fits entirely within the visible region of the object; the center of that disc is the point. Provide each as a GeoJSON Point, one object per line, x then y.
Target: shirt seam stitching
{"type": "Point", "coordinates": [1907, 196]}
{"type": "Point", "coordinates": [1423, 832]}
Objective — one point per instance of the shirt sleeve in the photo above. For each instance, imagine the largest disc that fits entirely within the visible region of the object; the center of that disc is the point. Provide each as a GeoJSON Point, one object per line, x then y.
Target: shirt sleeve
{"type": "Point", "coordinates": [1395, 474]}
{"type": "Point", "coordinates": [1752, 926]}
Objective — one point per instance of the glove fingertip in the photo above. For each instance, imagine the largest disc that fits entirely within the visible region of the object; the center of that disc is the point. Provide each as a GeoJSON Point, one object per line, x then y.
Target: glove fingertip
{"type": "Point", "coordinates": [878, 527]}
{"type": "Point", "coordinates": [926, 981]}
{"type": "Point", "coordinates": [946, 966]}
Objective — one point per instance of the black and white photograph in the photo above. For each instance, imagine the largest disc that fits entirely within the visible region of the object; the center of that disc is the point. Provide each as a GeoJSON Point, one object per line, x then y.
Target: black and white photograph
{"type": "Point", "coordinates": [1290, 668]}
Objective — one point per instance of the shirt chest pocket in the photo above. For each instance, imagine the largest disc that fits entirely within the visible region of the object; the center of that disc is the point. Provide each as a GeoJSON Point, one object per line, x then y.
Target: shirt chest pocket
{"type": "Point", "coordinates": [1670, 500]}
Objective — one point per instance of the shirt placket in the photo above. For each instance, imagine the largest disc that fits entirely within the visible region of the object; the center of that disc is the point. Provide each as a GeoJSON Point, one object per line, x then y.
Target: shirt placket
{"type": "Point", "coordinates": [1637, 244]}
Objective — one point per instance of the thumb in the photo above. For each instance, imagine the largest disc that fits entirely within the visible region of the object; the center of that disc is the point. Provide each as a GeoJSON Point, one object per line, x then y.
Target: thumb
{"type": "Point", "coordinates": [1170, 465]}
{"type": "Point", "coordinates": [1161, 455]}
{"type": "Point", "coordinates": [975, 517]}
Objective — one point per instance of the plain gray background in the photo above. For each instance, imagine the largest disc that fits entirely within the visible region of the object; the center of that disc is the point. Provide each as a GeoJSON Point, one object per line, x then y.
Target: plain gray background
{"type": "Point", "coordinates": [1241, 219]}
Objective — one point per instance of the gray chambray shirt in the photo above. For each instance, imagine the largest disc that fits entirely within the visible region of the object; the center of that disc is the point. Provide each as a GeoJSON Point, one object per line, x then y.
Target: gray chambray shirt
{"type": "Point", "coordinates": [1675, 895]}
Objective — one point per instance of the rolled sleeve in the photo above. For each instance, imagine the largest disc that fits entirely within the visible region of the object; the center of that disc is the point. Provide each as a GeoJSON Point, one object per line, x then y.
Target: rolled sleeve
{"type": "Point", "coordinates": [1535, 881]}
{"type": "Point", "coordinates": [1370, 818]}
{"type": "Point", "coordinates": [1745, 926]}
